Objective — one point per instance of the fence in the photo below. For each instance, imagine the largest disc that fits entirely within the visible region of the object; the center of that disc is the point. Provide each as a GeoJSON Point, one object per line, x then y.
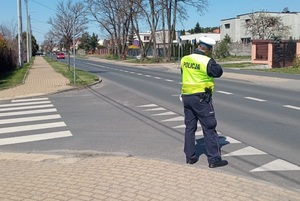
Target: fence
{"type": "Point", "coordinates": [8, 60]}
{"type": "Point", "coordinates": [275, 54]}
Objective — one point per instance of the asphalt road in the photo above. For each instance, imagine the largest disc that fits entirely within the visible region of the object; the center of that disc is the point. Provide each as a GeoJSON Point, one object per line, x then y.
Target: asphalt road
{"type": "Point", "coordinates": [137, 110]}
{"type": "Point", "coordinates": [262, 117]}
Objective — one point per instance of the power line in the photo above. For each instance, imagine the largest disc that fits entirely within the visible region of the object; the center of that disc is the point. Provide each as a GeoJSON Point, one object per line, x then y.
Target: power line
{"type": "Point", "coordinates": [39, 21]}
{"type": "Point", "coordinates": [38, 31]}
{"type": "Point", "coordinates": [44, 5]}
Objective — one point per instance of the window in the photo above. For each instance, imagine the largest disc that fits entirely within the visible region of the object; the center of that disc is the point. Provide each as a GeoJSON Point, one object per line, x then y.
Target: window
{"type": "Point", "coordinates": [227, 26]}
{"type": "Point", "coordinates": [247, 21]}
{"type": "Point", "coordinates": [146, 38]}
{"type": "Point", "coordinates": [246, 40]}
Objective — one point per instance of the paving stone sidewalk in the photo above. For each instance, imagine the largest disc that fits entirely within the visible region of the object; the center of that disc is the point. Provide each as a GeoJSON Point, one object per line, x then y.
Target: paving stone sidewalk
{"type": "Point", "coordinates": [106, 177]}
{"type": "Point", "coordinates": [40, 80]}
{"type": "Point", "coordinates": [102, 176]}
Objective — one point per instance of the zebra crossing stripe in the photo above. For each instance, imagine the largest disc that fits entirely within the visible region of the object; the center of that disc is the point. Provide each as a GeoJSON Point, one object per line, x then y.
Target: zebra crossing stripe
{"type": "Point", "coordinates": [155, 109]}
{"type": "Point", "coordinates": [27, 112]}
{"type": "Point", "coordinates": [25, 107]}
{"type": "Point", "coordinates": [29, 119]}
{"type": "Point", "coordinates": [149, 105]}
{"type": "Point", "coordinates": [230, 140]}
{"type": "Point", "coordinates": [164, 113]}
{"type": "Point", "coordinates": [183, 126]}
{"type": "Point", "coordinates": [247, 151]}
{"type": "Point", "coordinates": [277, 165]}
{"type": "Point", "coordinates": [174, 119]}
{"type": "Point", "coordinates": [29, 99]}
{"type": "Point", "coordinates": [31, 127]}
{"type": "Point", "coordinates": [292, 107]}
{"type": "Point", "coordinates": [37, 137]}
{"type": "Point", "coordinates": [23, 104]}
{"type": "Point", "coordinates": [199, 133]}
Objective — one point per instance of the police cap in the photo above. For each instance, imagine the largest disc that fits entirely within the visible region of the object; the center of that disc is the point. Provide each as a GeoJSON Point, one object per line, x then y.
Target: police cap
{"type": "Point", "coordinates": [207, 41]}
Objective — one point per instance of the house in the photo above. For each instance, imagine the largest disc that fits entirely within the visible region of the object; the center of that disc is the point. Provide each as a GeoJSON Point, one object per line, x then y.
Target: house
{"type": "Point", "coordinates": [235, 27]}
{"type": "Point", "coordinates": [188, 38]}
{"type": "Point", "coordinates": [145, 37]}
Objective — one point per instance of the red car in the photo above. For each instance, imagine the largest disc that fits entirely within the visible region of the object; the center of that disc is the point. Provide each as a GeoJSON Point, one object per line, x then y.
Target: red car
{"type": "Point", "coordinates": [60, 55]}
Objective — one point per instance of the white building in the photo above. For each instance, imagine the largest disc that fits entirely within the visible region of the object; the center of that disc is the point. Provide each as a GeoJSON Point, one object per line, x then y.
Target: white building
{"type": "Point", "coordinates": [189, 37]}
{"type": "Point", "coordinates": [146, 36]}
{"type": "Point", "coordinates": [235, 27]}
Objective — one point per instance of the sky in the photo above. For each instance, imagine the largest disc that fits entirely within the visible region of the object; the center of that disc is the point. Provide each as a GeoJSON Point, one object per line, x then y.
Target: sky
{"type": "Point", "coordinates": [41, 11]}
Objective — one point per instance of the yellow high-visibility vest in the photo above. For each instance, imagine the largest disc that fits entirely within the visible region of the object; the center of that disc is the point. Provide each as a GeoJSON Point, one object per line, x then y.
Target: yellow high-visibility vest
{"type": "Point", "coordinates": [194, 74]}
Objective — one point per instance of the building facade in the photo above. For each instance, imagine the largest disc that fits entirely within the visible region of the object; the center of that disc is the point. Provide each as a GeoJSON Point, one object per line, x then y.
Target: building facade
{"type": "Point", "coordinates": [235, 27]}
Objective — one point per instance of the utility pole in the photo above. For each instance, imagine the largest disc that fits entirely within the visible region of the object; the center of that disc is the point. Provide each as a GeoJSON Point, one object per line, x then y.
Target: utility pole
{"type": "Point", "coordinates": [20, 41]}
{"type": "Point", "coordinates": [74, 51]}
{"type": "Point", "coordinates": [30, 40]}
{"type": "Point", "coordinates": [27, 32]}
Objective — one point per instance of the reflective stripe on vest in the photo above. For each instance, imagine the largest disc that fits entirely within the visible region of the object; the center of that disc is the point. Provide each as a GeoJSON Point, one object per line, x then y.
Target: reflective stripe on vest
{"type": "Point", "coordinates": [194, 74]}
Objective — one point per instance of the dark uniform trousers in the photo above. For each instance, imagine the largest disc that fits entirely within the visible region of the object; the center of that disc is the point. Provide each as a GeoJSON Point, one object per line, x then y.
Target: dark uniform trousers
{"type": "Point", "coordinates": [196, 108]}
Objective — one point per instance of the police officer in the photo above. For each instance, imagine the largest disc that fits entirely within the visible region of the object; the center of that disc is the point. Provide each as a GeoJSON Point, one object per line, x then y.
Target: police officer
{"type": "Point", "coordinates": [198, 71]}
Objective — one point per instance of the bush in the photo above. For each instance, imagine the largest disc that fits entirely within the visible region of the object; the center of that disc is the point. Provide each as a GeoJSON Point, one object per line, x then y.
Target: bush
{"type": "Point", "coordinates": [296, 62]}
{"type": "Point", "coordinates": [221, 50]}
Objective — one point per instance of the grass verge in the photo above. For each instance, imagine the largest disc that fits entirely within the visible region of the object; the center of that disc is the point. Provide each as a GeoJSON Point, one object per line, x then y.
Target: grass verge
{"type": "Point", "coordinates": [82, 78]}
{"type": "Point", "coordinates": [288, 70]}
{"type": "Point", "coordinates": [15, 77]}
{"type": "Point", "coordinates": [237, 65]}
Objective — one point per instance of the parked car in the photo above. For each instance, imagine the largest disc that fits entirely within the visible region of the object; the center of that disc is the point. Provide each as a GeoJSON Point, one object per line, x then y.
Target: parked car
{"type": "Point", "coordinates": [60, 55]}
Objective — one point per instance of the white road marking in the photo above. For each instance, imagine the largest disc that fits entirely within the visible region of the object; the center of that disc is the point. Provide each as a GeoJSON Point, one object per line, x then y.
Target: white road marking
{"type": "Point", "coordinates": [148, 75]}
{"type": "Point", "coordinates": [25, 107]}
{"type": "Point", "coordinates": [292, 107]}
{"type": "Point", "coordinates": [199, 133]}
{"type": "Point", "coordinates": [29, 99]}
{"type": "Point", "coordinates": [169, 80]}
{"type": "Point", "coordinates": [255, 99]}
{"type": "Point", "coordinates": [158, 78]}
{"type": "Point", "coordinates": [31, 127]}
{"type": "Point", "coordinates": [148, 105]}
{"type": "Point", "coordinates": [155, 109]}
{"type": "Point", "coordinates": [277, 165]}
{"type": "Point", "coordinates": [29, 119]}
{"type": "Point", "coordinates": [27, 112]}
{"type": "Point", "coordinates": [229, 140]}
{"type": "Point", "coordinates": [247, 151]}
{"type": "Point", "coordinates": [32, 138]}
{"type": "Point", "coordinates": [224, 92]}
{"type": "Point", "coordinates": [180, 126]}
{"type": "Point", "coordinates": [183, 126]}
{"type": "Point", "coordinates": [23, 104]}
{"type": "Point", "coordinates": [139, 74]}
{"type": "Point", "coordinates": [174, 119]}
{"type": "Point", "coordinates": [164, 113]}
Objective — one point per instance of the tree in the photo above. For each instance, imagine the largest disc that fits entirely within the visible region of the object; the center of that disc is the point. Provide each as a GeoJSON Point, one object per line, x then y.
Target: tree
{"type": "Point", "coordinates": [263, 25]}
{"type": "Point", "coordinates": [117, 17]}
{"type": "Point", "coordinates": [3, 43]}
{"type": "Point", "coordinates": [94, 42]}
{"type": "Point", "coordinates": [9, 31]}
{"type": "Point", "coordinates": [84, 42]}
{"type": "Point", "coordinates": [88, 42]}
{"type": "Point", "coordinates": [114, 16]}
{"type": "Point", "coordinates": [34, 46]}
{"type": "Point", "coordinates": [221, 50]}
{"type": "Point", "coordinates": [68, 14]}
{"type": "Point", "coordinates": [177, 9]}
{"type": "Point", "coordinates": [50, 42]}
{"type": "Point", "coordinates": [227, 39]}
{"type": "Point", "coordinates": [197, 28]}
